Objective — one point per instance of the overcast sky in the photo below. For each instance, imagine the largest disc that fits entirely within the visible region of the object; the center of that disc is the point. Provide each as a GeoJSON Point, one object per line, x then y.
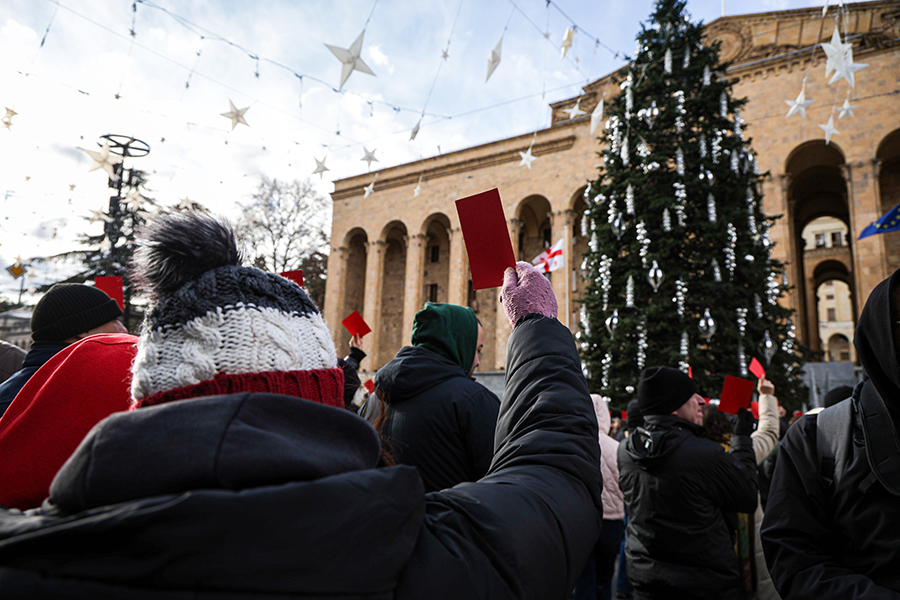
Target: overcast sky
{"type": "Point", "coordinates": [188, 58]}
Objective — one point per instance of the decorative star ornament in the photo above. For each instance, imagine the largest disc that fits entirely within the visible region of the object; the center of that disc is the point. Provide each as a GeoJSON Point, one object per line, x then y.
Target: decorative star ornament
{"type": "Point", "coordinates": [445, 54]}
{"type": "Point", "coordinates": [133, 200]}
{"type": "Point", "coordinates": [320, 167]}
{"type": "Point", "coordinates": [99, 215]}
{"type": "Point", "coordinates": [567, 41]}
{"type": "Point", "coordinates": [369, 189]}
{"type": "Point", "coordinates": [7, 123]}
{"type": "Point", "coordinates": [369, 157]}
{"type": "Point", "coordinates": [418, 188]}
{"type": "Point", "coordinates": [236, 115]}
{"type": "Point", "coordinates": [575, 111]}
{"type": "Point", "coordinates": [799, 105]}
{"type": "Point", "coordinates": [597, 116]}
{"type": "Point", "coordinates": [350, 59]}
{"type": "Point", "coordinates": [835, 52]}
{"type": "Point", "coordinates": [415, 130]}
{"type": "Point", "coordinates": [104, 160]}
{"type": "Point", "coordinates": [829, 129]}
{"type": "Point", "coordinates": [185, 204]}
{"type": "Point", "coordinates": [10, 113]}
{"type": "Point", "coordinates": [847, 109]}
{"type": "Point", "coordinates": [494, 59]}
{"type": "Point", "coordinates": [71, 187]}
{"type": "Point", "coordinates": [527, 157]}
{"type": "Point", "coordinates": [846, 68]}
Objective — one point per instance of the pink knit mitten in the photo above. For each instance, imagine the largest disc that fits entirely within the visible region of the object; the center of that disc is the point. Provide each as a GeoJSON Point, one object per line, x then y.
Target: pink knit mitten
{"type": "Point", "coordinates": [526, 291]}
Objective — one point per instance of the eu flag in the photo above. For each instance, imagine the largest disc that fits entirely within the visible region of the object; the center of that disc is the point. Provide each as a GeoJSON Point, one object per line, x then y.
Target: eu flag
{"type": "Point", "coordinates": [889, 222]}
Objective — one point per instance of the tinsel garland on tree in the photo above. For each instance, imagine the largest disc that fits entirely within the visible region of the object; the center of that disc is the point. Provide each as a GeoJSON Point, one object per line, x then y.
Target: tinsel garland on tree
{"type": "Point", "coordinates": [679, 267]}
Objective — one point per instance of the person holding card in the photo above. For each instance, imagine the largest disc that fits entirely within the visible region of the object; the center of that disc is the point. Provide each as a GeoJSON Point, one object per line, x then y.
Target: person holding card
{"type": "Point", "coordinates": [832, 524]}
{"type": "Point", "coordinates": [677, 486]}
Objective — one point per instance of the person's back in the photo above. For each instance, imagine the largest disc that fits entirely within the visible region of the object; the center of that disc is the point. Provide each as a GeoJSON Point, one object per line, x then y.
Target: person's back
{"type": "Point", "coordinates": [11, 358]}
{"type": "Point", "coordinates": [438, 419]}
{"type": "Point", "coordinates": [832, 520]}
{"type": "Point", "coordinates": [677, 487]}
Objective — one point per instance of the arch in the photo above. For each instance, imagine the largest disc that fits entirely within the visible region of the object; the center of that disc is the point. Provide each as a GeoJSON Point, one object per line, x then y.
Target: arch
{"type": "Point", "coordinates": [436, 258]}
{"type": "Point", "coordinates": [888, 165]}
{"type": "Point", "coordinates": [355, 247]}
{"type": "Point", "coordinates": [393, 240]}
{"type": "Point", "coordinates": [835, 310]}
{"type": "Point", "coordinates": [817, 194]}
{"type": "Point", "coordinates": [533, 220]}
{"type": "Point", "coordinates": [838, 348]}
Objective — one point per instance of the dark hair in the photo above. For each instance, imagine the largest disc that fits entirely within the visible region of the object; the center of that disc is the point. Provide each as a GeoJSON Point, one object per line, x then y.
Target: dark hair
{"type": "Point", "coordinates": [717, 424]}
{"type": "Point", "coordinates": [387, 456]}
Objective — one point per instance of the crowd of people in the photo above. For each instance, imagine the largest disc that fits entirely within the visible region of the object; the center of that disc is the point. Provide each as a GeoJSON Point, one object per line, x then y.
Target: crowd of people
{"type": "Point", "coordinates": [228, 452]}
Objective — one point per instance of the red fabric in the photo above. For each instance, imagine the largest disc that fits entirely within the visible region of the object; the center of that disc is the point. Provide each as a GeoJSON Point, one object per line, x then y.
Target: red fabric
{"type": "Point", "coordinates": [325, 386]}
{"type": "Point", "coordinates": [73, 391]}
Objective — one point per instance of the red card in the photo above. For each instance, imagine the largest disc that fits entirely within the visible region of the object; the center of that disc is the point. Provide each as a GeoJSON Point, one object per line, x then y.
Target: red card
{"type": "Point", "coordinates": [690, 372]}
{"type": "Point", "coordinates": [355, 324]}
{"type": "Point", "coordinates": [487, 238]}
{"type": "Point", "coordinates": [624, 414]}
{"type": "Point", "coordinates": [754, 406]}
{"type": "Point", "coordinates": [295, 276]}
{"type": "Point", "coordinates": [757, 369]}
{"type": "Point", "coordinates": [736, 394]}
{"type": "Point", "coordinates": [370, 385]}
{"type": "Point", "coordinates": [113, 288]}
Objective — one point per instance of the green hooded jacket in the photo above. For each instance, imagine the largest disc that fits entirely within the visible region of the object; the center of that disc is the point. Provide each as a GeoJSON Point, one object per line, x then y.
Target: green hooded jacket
{"type": "Point", "coordinates": [448, 330]}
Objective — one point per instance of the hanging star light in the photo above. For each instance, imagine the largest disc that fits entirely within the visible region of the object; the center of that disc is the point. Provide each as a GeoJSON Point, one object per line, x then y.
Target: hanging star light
{"type": "Point", "coordinates": [10, 113]}
{"type": "Point", "coordinates": [418, 188]}
{"type": "Point", "coordinates": [835, 52]}
{"type": "Point", "coordinates": [236, 115]}
{"type": "Point", "coordinates": [133, 200]}
{"type": "Point", "coordinates": [415, 130]}
{"type": "Point", "coordinates": [71, 187]}
{"type": "Point", "coordinates": [845, 69]}
{"type": "Point", "coordinates": [350, 59]}
{"type": "Point", "coordinates": [597, 116]}
{"type": "Point", "coordinates": [99, 215]}
{"type": "Point", "coordinates": [186, 204]}
{"type": "Point", "coordinates": [567, 41]}
{"type": "Point", "coordinates": [104, 160]}
{"type": "Point", "coordinates": [369, 189]}
{"type": "Point", "coordinates": [445, 54]}
{"type": "Point", "coordinates": [829, 129]}
{"type": "Point", "coordinates": [7, 123]}
{"type": "Point", "coordinates": [575, 111]}
{"type": "Point", "coordinates": [527, 157]}
{"type": "Point", "coordinates": [799, 105]}
{"type": "Point", "coordinates": [846, 109]}
{"type": "Point", "coordinates": [494, 59]}
{"type": "Point", "coordinates": [320, 167]}
{"type": "Point", "coordinates": [369, 157]}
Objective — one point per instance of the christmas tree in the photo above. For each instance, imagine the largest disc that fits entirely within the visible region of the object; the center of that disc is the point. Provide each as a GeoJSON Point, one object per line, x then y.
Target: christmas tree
{"type": "Point", "coordinates": [679, 263]}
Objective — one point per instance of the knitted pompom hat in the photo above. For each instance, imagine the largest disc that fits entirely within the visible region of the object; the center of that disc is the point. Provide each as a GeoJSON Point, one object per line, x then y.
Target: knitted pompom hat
{"type": "Point", "coordinates": [215, 327]}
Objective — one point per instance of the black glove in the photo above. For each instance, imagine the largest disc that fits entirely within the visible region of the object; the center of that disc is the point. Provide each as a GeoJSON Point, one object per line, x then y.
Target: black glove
{"type": "Point", "coordinates": [745, 422]}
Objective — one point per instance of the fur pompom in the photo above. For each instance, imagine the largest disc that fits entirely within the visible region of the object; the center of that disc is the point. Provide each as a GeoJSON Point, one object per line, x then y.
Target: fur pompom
{"type": "Point", "coordinates": [180, 247]}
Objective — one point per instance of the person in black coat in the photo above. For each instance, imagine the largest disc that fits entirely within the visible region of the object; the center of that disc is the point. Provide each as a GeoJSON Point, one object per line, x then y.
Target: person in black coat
{"type": "Point", "coordinates": [832, 525]}
{"type": "Point", "coordinates": [438, 419]}
{"type": "Point", "coordinates": [677, 489]}
{"type": "Point", "coordinates": [212, 492]}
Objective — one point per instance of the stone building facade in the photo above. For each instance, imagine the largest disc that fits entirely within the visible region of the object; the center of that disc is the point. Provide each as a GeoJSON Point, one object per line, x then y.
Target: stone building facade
{"type": "Point", "coordinates": [401, 246]}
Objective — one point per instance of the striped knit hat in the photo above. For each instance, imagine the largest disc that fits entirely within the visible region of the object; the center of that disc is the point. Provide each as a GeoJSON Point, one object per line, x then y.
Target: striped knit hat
{"type": "Point", "coordinates": [215, 327]}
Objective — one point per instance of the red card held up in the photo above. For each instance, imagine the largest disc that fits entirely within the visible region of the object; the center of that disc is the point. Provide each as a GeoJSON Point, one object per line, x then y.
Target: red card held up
{"type": "Point", "coordinates": [486, 236]}
{"type": "Point", "coordinates": [113, 288]}
{"type": "Point", "coordinates": [757, 369]}
{"type": "Point", "coordinates": [370, 386]}
{"type": "Point", "coordinates": [624, 415]}
{"type": "Point", "coordinates": [295, 276]}
{"type": "Point", "coordinates": [736, 394]}
{"type": "Point", "coordinates": [355, 324]}
{"type": "Point", "coordinates": [754, 406]}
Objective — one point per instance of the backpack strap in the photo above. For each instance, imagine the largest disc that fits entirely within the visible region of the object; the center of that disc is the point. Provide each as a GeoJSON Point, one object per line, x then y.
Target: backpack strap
{"type": "Point", "coordinates": [882, 448]}
{"type": "Point", "coordinates": [833, 438]}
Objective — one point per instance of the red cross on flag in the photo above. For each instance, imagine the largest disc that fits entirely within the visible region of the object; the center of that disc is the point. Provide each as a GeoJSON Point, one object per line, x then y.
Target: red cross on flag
{"type": "Point", "coordinates": [550, 259]}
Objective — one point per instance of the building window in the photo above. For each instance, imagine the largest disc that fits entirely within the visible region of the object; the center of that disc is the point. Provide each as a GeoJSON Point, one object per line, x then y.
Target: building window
{"type": "Point", "coordinates": [837, 238]}
{"type": "Point", "coordinates": [434, 253]}
{"type": "Point", "coordinates": [820, 240]}
{"type": "Point", "coordinates": [431, 290]}
{"type": "Point", "coordinates": [845, 355]}
{"type": "Point", "coordinates": [829, 297]}
{"type": "Point", "coordinates": [831, 315]}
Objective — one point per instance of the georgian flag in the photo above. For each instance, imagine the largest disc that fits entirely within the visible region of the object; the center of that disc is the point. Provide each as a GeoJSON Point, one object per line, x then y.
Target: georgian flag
{"type": "Point", "coordinates": [550, 259]}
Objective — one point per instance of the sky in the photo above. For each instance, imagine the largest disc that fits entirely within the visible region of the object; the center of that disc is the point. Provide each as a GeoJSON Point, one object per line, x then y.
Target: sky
{"type": "Point", "coordinates": [64, 62]}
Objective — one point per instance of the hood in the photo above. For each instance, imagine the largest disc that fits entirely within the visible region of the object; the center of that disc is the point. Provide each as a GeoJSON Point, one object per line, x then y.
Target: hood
{"type": "Point", "coordinates": [875, 342]}
{"type": "Point", "coordinates": [602, 411]}
{"type": "Point", "coordinates": [660, 436]}
{"type": "Point", "coordinates": [232, 442]}
{"type": "Point", "coordinates": [448, 330]}
{"type": "Point", "coordinates": [414, 370]}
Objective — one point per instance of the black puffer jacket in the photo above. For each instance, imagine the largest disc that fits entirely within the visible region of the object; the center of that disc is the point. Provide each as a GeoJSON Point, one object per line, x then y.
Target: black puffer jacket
{"type": "Point", "coordinates": [677, 489]}
{"type": "Point", "coordinates": [837, 534]}
{"type": "Point", "coordinates": [438, 420]}
{"type": "Point", "coordinates": [264, 496]}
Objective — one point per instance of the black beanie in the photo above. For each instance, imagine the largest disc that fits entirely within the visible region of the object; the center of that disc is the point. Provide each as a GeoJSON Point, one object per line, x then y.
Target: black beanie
{"type": "Point", "coordinates": [662, 390]}
{"type": "Point", "coordinates": [634, 417]}
{"type": "Point", "coordinates": [68, 309]}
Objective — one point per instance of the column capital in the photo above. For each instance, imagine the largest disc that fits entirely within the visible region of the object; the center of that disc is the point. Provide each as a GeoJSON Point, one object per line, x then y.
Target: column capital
{"type": "Point", "coordinates": [515, 224]}
{"type": "Point", "coordinates": [876, 167]}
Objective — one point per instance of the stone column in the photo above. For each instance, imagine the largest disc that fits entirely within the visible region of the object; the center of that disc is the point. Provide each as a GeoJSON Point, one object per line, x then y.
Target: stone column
{"type": "Point", "coordinates": [865, 207]}
{"type": "Point", "coordinates": [415, 264]}
{"type": "Point", "coordinates": [336, 292]}
{"type": "Point", "coordinates": [458, 291]}
{"type": "Point", "coordinates": [812, 313]}
{"type": "Point", "coordinates": [372, 314]}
